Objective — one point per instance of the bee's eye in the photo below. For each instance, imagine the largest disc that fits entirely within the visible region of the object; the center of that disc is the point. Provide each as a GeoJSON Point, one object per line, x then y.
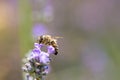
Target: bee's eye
{"type": "Point", "coordinates": [41, 39]}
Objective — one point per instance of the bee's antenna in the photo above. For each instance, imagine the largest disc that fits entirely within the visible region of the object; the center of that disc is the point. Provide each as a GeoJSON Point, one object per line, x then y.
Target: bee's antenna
{"type": "Point", "coordinates": [57, 37]}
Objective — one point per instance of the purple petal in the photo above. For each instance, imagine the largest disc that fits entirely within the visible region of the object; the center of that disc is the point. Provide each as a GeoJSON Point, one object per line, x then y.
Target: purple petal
{"type": "Point", "coordinates": [36, 50]}
{"type": "Point", "coordinates": [51, 49]}
{"type": "Point", "coordinates": [36, 45]}
{"type": "Point", "coordinates": [44, 58]}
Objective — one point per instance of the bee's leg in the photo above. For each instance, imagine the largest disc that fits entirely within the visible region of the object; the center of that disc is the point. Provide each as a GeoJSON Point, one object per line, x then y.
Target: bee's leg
{"type": "Point", "coordinates": [56, 51]}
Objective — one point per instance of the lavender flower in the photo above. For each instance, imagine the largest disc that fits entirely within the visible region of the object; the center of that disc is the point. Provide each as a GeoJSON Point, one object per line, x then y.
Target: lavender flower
{"type": "Point", "coordinates": [36, 64]}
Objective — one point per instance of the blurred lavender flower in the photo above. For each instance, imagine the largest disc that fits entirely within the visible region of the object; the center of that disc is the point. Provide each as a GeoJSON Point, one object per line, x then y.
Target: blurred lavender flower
{"type": "Point", "coordinates": [36, 63]}
{"type": "Point", "coordinates": [48, 13]}
{"type": "Point", "coordinates": [39, 29]}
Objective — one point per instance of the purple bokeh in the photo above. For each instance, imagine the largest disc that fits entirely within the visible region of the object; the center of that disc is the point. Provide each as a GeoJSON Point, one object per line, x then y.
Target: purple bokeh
{"type": "Point", "coordinates": [94, 57]}
{"type": "Point", "coordinates": [39, 29]}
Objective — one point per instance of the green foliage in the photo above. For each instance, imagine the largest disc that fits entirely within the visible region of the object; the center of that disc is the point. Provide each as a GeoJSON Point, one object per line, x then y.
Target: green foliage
{"type": "Point", "coordinates": [25, 26]}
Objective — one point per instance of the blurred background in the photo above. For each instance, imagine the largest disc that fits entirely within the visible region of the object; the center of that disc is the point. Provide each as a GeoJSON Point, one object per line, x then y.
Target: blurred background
{"type": "Point", "coordinates": [89, 49]}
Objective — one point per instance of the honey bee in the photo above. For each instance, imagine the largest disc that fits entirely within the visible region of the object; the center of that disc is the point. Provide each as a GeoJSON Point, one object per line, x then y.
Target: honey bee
{"type": "Point", "coordinates": [49, 40]}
